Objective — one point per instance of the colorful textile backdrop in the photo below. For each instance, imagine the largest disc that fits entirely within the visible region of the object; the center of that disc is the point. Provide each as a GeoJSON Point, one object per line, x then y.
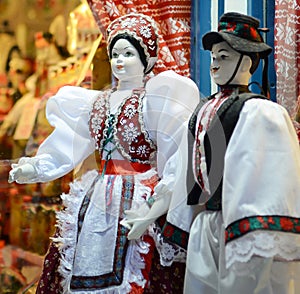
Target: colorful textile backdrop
{"type": "Point", "coordinates": [173, 19]}
{"type": "Point", "coordinates": [287, 53]}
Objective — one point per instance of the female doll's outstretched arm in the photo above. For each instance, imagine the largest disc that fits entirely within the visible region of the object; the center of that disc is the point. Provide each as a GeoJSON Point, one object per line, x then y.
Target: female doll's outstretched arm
{"type": "Point", "coordinates": [67, 145]}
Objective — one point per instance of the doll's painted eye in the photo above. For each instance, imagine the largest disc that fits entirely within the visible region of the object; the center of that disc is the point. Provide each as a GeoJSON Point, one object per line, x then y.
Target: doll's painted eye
{"type": "Point", "coordinates": [223, 57]}
{"type": "Point", "coordinates": [115, 55]}
{"type": "Point", "coordinates": [128, 54]}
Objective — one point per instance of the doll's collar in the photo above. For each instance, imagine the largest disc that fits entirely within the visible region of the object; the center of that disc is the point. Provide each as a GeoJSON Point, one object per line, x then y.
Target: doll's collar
{"type": "Point", "coordinates": [236, 88]}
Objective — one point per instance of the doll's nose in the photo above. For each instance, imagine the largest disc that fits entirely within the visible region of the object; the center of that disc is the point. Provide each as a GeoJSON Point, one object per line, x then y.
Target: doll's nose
{"type": "Point", "coordinates": [120, 63]}
{"type": "Point", "coordinates": [120, 58]}
{"type": "Point", "coordinates": [214, 63]}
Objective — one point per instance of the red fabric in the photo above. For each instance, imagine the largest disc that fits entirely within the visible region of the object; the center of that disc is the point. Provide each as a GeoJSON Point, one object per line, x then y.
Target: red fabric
{"type": "Point", "coordinates": [123, 167]}
{"type": "Point", "coordinates": [165, 279]}
{"type": "Point", "coordinates": [50, 279]}
{"type": "Point", "coordinates": [287, 53]}
{"type": "Point", "coordinates": [135, 289]}
{"type": "Point", "coordinates": [173, 19]}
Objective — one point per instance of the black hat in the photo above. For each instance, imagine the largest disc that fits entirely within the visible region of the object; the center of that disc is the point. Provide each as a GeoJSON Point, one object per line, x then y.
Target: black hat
{"type": "Point", "coordinates": [241, 32]}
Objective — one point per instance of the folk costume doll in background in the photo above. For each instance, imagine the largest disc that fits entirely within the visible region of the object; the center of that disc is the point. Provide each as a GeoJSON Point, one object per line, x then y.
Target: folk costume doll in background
{"type": "Point", "coordinates": [246, 165]}
{"type": "Point", "coordinates": [136, 128]}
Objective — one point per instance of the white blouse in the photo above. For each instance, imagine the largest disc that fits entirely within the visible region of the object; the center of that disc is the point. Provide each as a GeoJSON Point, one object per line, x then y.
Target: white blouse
{"type": "Point", "coordinates": [169, 101]}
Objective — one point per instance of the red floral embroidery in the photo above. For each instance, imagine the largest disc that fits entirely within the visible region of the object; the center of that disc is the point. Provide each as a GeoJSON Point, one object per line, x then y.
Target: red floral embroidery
{"type": "Point", "coordinates": [168, 231]}
{"type": "Point", "coordinates": [272, 223]}
{"type": "Point", "coordinates": [131, 138]}
{"type": "Point", "coordinates": [226, 235]}
{"type": "Point", "coordinates": [208, 113]}
{"type": "Point", "coordinates": [260, 219]}
{"type": "Point", "coordinates": [244, 226]}
{"type": "Point", "coordinates": [286, 224]}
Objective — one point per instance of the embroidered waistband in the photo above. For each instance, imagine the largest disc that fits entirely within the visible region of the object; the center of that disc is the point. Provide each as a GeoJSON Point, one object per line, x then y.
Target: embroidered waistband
{"type": "Point", "coordinates": [124, 167]}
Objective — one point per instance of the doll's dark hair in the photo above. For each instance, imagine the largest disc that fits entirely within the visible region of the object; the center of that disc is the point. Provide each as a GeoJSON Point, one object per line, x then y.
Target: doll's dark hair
{"type": "Point", "coordinates": [134, 42]}
{"type": "Point", "coordinates": [255, 61]}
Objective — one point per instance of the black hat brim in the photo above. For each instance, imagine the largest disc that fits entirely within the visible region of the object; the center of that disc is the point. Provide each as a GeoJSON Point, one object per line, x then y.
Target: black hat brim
{"type": "Point", "coordinates": [237, 43]}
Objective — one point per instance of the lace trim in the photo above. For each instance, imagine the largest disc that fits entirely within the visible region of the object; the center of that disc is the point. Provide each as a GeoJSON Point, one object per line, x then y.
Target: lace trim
{"type": "Point", "coordinates": [168, 252]}
{"type": "Point", "coordinates": [143, 128]}
{"type": "Point", "coordinates": [281, 245]}
{"type": "Point", "coordinates": [98, 113]}
{"type": "Point", "coordinates": [39, 166]}
{"type": "Point", "coordinates": [67, 221]}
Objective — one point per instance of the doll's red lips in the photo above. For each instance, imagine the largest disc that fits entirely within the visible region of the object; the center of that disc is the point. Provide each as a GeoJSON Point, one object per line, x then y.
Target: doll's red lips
{"type": "Point", "coordinates": [215, 69]}
{"type": "Point", "coordinates": [120, 66]}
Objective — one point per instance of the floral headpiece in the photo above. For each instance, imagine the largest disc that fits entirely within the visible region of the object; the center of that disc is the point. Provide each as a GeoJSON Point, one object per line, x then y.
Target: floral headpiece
{"type": "Point", "coordinates": [142, 28]}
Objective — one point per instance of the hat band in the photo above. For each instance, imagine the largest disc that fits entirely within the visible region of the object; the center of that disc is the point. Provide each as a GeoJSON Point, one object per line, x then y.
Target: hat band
{"type": "Point", "coordinates": [241, 30]}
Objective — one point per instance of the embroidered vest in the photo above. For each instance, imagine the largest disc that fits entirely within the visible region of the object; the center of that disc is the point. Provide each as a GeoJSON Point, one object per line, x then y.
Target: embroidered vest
{"type": "Point", "coordinates": [223, 122]}
{"type": "Point", "coordinates": [126, 129]}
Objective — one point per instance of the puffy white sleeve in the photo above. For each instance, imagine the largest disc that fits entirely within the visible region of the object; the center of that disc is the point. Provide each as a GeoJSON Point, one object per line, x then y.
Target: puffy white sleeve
{"type": "Point", "coordinates": [70, 142]}
{"type": "Point", "coordinates": [262, 178]}
{"type": "Point", "coordinates": [171, 99]}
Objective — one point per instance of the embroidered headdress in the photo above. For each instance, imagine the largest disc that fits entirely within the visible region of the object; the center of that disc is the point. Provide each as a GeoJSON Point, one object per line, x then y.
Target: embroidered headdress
{"type": "Point", "coordinates": [142, 28]}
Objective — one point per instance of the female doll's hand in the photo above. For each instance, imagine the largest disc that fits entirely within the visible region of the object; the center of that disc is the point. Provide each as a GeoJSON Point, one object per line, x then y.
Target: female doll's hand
{"type": "Point", "coordinates": [137, 221]}
{"type": "Point", "coordinates": [136, 224]}
{"type": "Point", "coordinates": [21, 173]}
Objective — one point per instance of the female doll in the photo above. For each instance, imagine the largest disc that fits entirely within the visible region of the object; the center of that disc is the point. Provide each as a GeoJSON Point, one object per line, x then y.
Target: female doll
{"type": "Point", "coordinates": [135, 127]}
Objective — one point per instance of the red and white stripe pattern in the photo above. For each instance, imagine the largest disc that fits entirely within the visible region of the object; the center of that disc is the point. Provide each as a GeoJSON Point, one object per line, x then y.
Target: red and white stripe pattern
{"type": "Point", "coordinates": [287, 53]}
{"type": "Point", "coordinates": [172, 18]}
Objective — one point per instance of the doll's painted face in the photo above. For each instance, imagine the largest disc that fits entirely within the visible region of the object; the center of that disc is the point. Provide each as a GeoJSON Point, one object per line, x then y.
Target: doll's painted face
{"type": "Point", "coordinates": [125, 62]}
{"type": "Point", "coordinates": [224, 61]}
